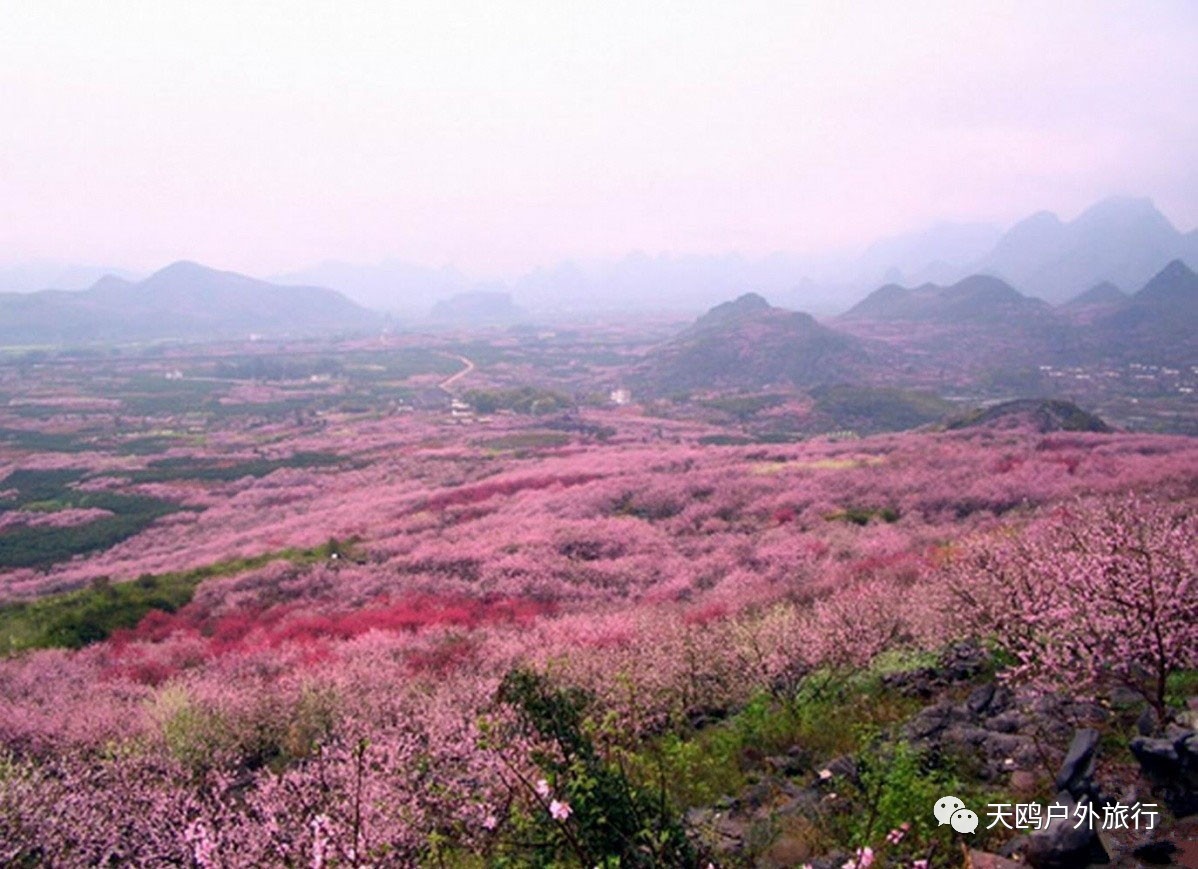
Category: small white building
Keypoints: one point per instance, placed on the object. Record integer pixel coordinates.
(621, 396)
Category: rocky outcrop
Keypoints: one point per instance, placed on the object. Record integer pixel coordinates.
(1171, 764)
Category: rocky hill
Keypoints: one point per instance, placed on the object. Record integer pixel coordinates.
(1035, 414)
(750, 343)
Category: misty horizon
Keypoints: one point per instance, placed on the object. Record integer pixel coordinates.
(497, 141)
(72, 274)
(829, 283)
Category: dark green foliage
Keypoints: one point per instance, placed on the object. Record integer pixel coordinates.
(36, 441)
(613, 821)
(146, 446)
(39, 485)
(531, 440)
(721, 440)
(743, 407)
(187, 468)
(525, 399)
(48, 491)
(863, 515)
(869, 409)
(41, 546)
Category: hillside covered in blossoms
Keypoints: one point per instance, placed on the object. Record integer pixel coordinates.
(448, 602)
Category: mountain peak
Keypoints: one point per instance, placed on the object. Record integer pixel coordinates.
(110, 283)
(1176, 283)
(749, 343)
(1176, 270)
(977, 298)
(742, 307)
(182, 269)
(746, 302)
(1120, 212)
(1122, 239)
(1039, 222)
(982, 287)
(1104, 293)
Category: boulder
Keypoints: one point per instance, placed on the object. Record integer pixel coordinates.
(1158, 853)
(1171, 764)
(1063, 844)
(980, 698)
(1077, 770)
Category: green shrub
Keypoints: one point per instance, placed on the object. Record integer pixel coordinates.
(611, 821)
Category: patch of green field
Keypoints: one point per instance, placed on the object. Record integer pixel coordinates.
(532, 440)
(78, 618)
(186, 468)
(47, 491)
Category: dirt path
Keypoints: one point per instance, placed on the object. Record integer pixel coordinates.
(454, 378)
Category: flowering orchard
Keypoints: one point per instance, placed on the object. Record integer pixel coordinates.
(334, 685)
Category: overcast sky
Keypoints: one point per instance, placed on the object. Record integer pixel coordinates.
(499, 135)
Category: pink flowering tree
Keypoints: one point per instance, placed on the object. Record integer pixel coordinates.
(1096, 595)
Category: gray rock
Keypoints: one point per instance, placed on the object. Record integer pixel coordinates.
(1171, 764)
(1158, 853)
(930, 721)
(1063, 844)
(1155, 755)
(1147, 724)
(980, 698)
(1007, 722)
(1077, 770)
(831, 861)
(1124, 697)
(758, 795)
(843, 767)
(805, 802)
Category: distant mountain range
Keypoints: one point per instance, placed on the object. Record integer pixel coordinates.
(1159, 322)
(1122, 241)
(980, 323)
(183, 300)
(939, 254)
(1119, 240)
(976, 299)
(1104, 293)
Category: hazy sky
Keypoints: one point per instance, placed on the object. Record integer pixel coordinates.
(500, 135)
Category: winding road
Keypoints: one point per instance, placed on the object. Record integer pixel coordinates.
(454, 378)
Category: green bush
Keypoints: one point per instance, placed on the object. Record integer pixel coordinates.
(612, 821)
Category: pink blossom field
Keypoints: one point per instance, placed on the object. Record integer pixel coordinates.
(330, 690)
